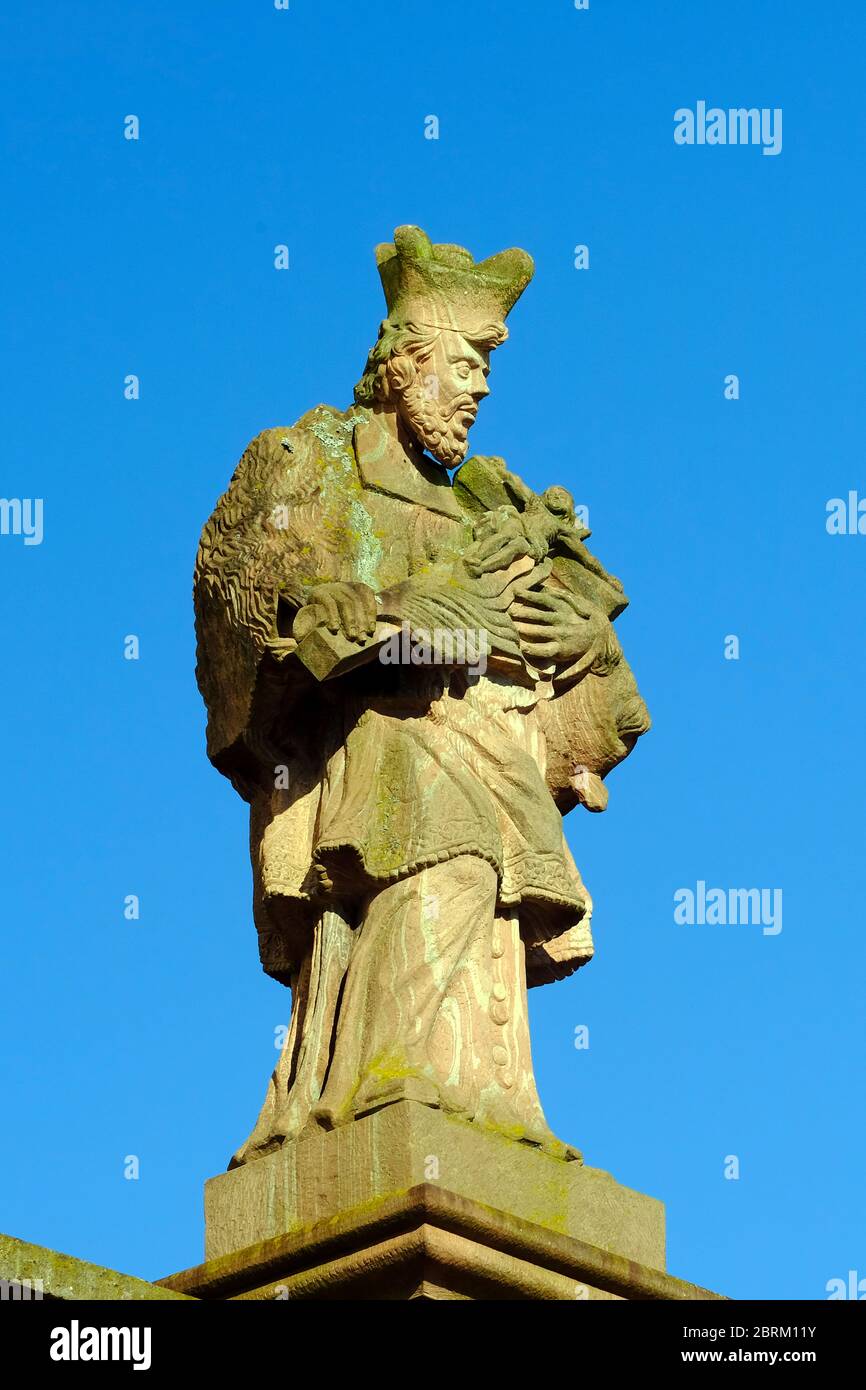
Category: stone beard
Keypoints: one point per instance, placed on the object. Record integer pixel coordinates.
(438, 428)
(411, 875)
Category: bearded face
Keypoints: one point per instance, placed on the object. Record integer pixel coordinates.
(437, 395)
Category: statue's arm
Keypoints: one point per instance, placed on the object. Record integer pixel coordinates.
(265, 551)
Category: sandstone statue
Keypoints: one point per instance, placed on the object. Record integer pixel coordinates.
(411, 676)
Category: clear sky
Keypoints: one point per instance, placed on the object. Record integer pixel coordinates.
(155, 257)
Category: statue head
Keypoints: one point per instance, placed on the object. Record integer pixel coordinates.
(445, 316)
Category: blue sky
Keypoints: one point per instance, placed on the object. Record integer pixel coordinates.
(155, 257)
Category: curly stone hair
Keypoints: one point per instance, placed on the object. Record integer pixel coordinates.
(407, 338)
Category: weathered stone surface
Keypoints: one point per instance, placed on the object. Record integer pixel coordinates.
(33, 1272)
(428, 1243)
(357, 1166)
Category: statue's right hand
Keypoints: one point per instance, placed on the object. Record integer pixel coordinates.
(346, 608)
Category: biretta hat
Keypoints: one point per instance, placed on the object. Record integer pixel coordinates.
(441, 286)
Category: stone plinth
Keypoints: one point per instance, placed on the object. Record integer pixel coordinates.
(411, 1203)
(427, 1244)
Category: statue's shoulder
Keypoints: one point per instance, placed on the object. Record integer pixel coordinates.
(330, 432)
(291, 459)
(480, 484)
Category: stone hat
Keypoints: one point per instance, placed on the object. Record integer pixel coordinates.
(441, 286)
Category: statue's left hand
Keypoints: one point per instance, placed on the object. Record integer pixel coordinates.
(555, 624)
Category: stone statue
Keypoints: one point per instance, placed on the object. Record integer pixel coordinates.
(411, 678)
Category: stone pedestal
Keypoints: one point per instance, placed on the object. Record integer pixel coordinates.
(412, 1203)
